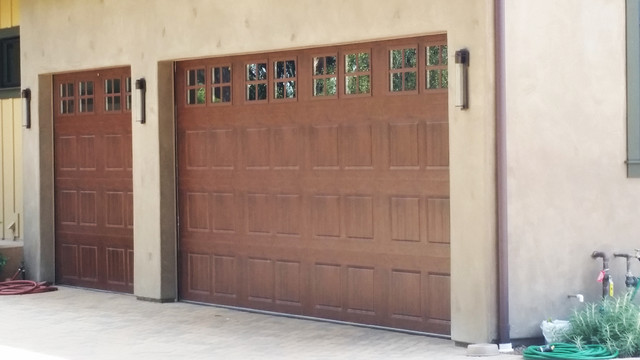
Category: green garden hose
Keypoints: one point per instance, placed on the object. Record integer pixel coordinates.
(568, 351)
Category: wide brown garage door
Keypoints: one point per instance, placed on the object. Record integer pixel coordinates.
(93, 185)
(316, 182)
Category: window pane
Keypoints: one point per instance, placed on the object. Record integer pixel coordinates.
(226, 74)
(216, 75)
(279, 93)
(262, 91)
(116, 103)
(116, 86)
(217, 96)
(445, 78)
(410, 82)
(364, 86)
(350, 84)
(191, 77)
(331, 86)
(396, 82)
(331, 63)
(363, 59)
(201, 96)
(396, 59)
(318, 66)
(410, 58)
(432, 79)
(226, 94)
(291, 89)
(280, 73)
(350, 63)
(191, 96)
(291, 68)
(251, 92)
(318, 87)
(445, 55)
(200, 76)
(433, 53)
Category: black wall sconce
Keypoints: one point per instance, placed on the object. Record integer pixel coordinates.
(141, 92)
(26, 108)
(462, 79)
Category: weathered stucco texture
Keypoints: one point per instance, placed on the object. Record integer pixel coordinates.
(568, 190)
(70, 35)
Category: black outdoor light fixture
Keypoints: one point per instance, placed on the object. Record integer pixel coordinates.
(26, 108)
(141, 90)
(462, 79)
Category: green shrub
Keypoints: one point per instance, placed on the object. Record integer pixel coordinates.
(614, 323)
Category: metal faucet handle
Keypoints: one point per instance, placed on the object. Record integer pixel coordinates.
(626, 256)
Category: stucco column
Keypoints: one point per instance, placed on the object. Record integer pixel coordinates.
(37, 147)
(154, 235)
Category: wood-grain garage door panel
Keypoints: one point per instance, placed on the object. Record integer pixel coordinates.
(93, 184)
(334, 206)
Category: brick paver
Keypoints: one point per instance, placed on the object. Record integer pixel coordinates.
(83, 324)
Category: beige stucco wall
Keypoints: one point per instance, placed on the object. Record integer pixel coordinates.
(68, 35)
(568, 190)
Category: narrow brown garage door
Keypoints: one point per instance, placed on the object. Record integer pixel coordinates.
(316, 182)
(93, 186)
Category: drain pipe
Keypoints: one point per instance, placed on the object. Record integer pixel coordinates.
(504, 337)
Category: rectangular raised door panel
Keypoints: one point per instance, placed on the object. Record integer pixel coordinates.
(316, 182)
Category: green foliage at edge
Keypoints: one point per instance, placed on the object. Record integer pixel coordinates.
(613, 323)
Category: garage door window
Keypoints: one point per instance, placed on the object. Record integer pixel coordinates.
(285, 75)
(358, 73)
(325, 80)
(195, 87)
(66, 98)
(221, 84)
(112, 98)
(437, 75)
(403, 69)
(85, 89)
(257, 81)
(127, 93)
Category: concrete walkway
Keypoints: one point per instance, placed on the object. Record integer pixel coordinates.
(82, 324)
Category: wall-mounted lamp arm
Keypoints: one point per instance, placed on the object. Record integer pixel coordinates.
(26, 108)
(462, 79)
(141, 92)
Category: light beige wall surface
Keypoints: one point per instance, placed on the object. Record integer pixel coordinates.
(11, 222)
(568, 190)
(69, 35)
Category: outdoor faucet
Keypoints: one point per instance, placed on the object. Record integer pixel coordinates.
(629, 279)
(604, 277)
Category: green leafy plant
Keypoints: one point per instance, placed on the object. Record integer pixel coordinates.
(614, 323)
